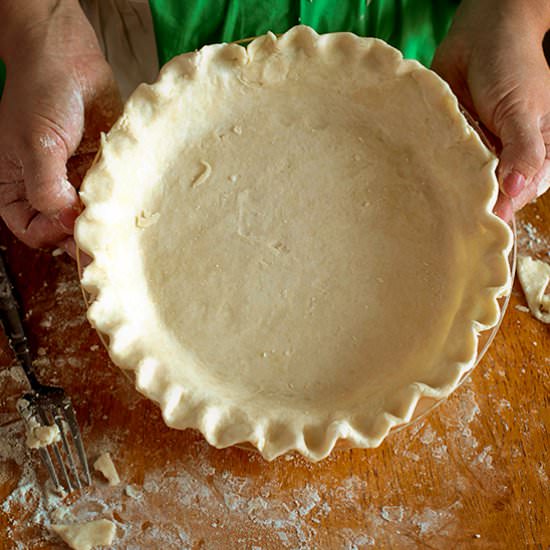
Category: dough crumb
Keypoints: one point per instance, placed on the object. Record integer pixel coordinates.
(85, 536)
(237, 130)
(58, 252)
(523, 309)
(145, 219)
(204, 175)
(105, 465)
(534, 276)
(39, 436)
(280, 247)
(132, 492)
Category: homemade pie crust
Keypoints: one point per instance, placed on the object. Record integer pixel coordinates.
(293, 242)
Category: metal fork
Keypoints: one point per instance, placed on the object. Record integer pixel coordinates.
(46, 405)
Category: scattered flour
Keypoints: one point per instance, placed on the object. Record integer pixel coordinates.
(393, 513)
(173, 502)
(541, 471)
(530, 240)
(245, 502)
(427, 436)
(132, 492)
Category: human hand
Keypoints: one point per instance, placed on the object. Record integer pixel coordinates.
(57, 81)
(493, 60)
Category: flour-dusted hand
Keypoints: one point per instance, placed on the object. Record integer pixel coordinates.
(57, 79)
(494, 61)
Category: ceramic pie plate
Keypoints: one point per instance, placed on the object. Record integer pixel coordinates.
(293, 243)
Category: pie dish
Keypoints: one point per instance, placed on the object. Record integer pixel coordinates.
(293, 242)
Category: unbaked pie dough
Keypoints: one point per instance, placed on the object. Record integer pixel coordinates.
(106, 466)
(293, 242)
(85, 536)
(39, 436)
(534, 276)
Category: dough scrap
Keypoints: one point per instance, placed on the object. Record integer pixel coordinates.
(145, 219)
(204, 174)
(105, 465)
(85, 536)
(132, 492)
(39, 436)
(534, 276)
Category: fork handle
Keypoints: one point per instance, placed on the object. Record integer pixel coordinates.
(13, 325)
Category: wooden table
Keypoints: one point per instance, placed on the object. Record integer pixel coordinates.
(474, 474)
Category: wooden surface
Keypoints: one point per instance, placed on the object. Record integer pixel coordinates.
(474, 474)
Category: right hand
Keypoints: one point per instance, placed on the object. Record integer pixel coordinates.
(57, 82)
(494, 61)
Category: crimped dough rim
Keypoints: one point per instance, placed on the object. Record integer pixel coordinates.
(223, 423)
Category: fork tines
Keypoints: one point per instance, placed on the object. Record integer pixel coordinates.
(55, 409)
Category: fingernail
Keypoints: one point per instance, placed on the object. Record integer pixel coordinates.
(69, 247)
(505, 211)
(67, 217)
(543, 186)
(513, 184)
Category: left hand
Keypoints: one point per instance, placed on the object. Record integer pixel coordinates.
(59, 90)
(493, 60)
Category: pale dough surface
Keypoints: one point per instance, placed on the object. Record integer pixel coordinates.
(293, 243)
(85, 536)
(104, 464)
(534, 276)
(41, 436)
(38, 435)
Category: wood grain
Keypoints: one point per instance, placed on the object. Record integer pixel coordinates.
(473, 474)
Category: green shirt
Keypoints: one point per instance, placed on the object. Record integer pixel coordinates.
(414, 26)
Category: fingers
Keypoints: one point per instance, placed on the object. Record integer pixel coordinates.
(523, 151)
(68, 245)
(37, 201)
(535, 188)
(44, 158)
(500, 74)
(542, 181)
(58, 81)
(24, 221)
(504, 208)
(27, 223)
(506, 205)
(39, 128)
(30, 226)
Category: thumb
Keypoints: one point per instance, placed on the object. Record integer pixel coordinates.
(523, 151)
(44, 156)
